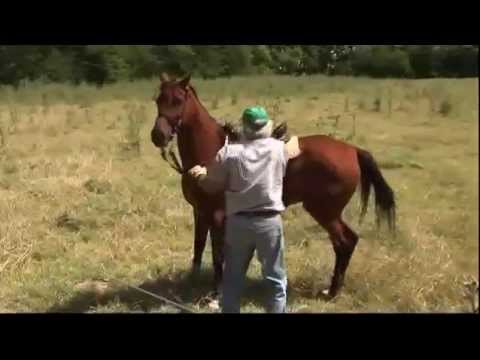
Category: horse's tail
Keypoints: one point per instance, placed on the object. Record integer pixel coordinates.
(385, 206)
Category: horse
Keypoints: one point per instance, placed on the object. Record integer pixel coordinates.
(324, 178)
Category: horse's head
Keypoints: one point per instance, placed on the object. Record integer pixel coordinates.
(171, 106)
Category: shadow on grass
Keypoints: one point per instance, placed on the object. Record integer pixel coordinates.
(179, 287)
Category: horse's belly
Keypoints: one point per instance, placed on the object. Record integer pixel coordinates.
(320, 177)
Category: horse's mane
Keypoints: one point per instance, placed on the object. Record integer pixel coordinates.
(194, 91)
(222, 127)
(233, 133)
(279, 133)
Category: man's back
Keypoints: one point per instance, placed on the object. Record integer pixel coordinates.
(255, 172)
(251, 174)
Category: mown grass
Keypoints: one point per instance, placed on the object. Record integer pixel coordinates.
(85, 197)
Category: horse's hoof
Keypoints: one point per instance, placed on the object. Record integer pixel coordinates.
(214, 305)
(211, 301)
(326, 295)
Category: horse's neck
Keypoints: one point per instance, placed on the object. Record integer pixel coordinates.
(200, 139)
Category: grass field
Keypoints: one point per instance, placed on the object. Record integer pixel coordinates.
(85, 197)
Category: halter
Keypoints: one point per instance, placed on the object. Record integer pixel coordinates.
(177, 120)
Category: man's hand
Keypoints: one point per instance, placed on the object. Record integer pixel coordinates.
(198, 172)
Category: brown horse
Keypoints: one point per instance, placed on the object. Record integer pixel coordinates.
(324, 177)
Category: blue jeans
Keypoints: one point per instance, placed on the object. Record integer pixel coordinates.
(244, 235)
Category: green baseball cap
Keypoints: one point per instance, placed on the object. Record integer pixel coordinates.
(255, 117)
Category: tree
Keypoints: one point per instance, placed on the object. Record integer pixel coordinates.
(110, 63)
(175, 59)
(261, 58)
(58, 66)
(381, 61)
(106, 63)
(421, 59)
(21, 62)
(209, 61)
(316, 58)
(287, 59)
(237, 59)
(456, 61)
(141, 61)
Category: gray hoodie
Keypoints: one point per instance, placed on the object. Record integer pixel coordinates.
(251, 173)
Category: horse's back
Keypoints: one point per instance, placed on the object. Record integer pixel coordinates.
(326, 146)
(325, 167)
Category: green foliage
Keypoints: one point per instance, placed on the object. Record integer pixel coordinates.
(316, 58)
(287, 59)
(103, 64)
(456, 61)
(175, 59)
(238, 59)
(261, 58)
(421, 60)
(209, 61)
(58, 67)
(381, 61)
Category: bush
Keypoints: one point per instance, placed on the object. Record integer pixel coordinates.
(97, 187)
(421, 60)
(10, 168)
(100, 64)
(377, 104)
(456, 61)
(445, 107)
(381, 61)
(234, 99)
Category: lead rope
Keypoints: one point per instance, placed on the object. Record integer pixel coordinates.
(158, 297)
(171, 159)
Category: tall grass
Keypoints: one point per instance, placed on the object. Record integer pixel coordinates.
(74, 212)
(46, 95)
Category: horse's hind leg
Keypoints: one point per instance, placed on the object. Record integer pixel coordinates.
(344, 241)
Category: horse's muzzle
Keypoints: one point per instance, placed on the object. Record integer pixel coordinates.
(161, 133)
(156, 139)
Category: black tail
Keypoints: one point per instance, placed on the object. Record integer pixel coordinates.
(385, 207)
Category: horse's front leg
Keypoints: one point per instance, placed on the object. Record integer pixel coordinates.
(217, 234)
(201, 231)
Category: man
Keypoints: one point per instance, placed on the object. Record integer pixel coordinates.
(251, 173)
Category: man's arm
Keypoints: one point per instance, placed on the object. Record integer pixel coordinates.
(214, 178)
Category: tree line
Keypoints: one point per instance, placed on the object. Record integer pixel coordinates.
(101, 64)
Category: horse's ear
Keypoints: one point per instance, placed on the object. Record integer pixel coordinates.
(186, 81)
(164, 77)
